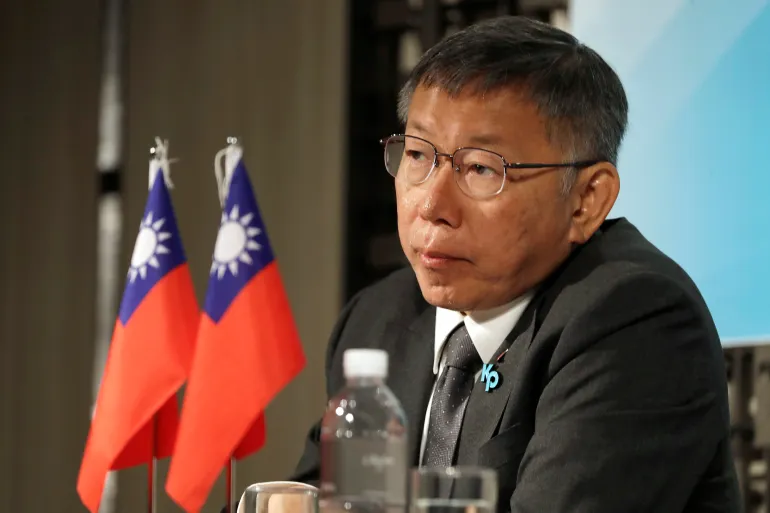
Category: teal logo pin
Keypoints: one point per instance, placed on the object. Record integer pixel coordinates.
(489, 376)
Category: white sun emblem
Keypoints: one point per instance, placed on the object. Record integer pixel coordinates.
(147, 248)
(234, 241)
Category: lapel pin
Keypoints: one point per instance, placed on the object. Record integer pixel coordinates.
(489, 376)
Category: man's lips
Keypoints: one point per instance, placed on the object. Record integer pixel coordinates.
(436, 259)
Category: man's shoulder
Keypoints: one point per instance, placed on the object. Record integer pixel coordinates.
(396, 297)
(619, 259)
(400, 282)
(374, 314)
(620, 252)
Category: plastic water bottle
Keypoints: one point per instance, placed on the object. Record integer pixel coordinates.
(364, 441)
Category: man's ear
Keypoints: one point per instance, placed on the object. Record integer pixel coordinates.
(591, 198)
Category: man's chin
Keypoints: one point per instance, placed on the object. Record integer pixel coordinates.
(443, 293)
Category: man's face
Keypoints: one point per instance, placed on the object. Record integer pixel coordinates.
(473, 254)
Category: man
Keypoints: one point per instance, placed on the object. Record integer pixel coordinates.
(612, 396)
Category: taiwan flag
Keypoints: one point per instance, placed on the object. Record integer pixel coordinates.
(136, 414)
(247, 350)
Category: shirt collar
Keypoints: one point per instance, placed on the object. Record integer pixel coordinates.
(487, 328)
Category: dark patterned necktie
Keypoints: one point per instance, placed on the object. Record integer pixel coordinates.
(450, 397)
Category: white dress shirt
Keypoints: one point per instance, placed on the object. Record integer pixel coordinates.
(487, 330)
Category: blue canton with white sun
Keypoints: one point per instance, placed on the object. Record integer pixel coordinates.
(242, 248)
(157, 250)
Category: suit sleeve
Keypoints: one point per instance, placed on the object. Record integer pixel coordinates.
(632, 409)
(308, 468)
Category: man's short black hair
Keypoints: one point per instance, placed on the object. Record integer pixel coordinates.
(574, 89)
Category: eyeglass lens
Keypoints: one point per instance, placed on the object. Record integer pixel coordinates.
(478, 172)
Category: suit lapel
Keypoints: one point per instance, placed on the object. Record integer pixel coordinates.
(484, 410)
(411, 370)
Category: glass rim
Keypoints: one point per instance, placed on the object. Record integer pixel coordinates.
(282, 488)
(457, 472)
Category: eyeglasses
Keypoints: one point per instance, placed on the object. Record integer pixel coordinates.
(479, 173)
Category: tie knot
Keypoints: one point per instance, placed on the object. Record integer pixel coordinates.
(460, 351)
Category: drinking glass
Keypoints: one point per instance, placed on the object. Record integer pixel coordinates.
(279, 497)
(453, 490)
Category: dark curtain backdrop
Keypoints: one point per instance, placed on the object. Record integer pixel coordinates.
(49, 83)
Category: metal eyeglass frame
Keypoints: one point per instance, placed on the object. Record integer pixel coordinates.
(506, 165)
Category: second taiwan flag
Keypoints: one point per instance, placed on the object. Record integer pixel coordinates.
(247, 350)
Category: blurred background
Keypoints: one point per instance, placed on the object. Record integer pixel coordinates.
(309, 87)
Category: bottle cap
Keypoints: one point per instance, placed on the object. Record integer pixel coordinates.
(365, 363)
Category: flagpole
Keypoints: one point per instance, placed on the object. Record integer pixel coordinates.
(157, 153)
(152, 472)
(152, 503)
(230, 484)
(223, 186)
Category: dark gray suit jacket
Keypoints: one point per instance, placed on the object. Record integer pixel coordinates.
(613, 397)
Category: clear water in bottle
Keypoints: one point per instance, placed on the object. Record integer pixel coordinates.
(364, 441)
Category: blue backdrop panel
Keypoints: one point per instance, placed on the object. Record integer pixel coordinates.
(695, 167)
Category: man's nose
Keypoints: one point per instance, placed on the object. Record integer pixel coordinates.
(439, 203)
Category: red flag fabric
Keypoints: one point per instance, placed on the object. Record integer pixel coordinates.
(247, 349)
(136, 414)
